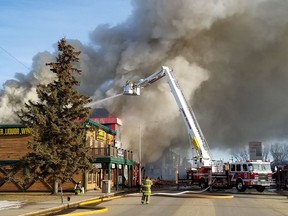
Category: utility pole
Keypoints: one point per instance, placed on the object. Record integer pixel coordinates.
(140, 146)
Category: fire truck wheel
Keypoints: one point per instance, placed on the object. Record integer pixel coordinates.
(203, 184)
(240, 186)
(260, 188)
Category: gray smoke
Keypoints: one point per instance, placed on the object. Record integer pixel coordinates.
(229, 58)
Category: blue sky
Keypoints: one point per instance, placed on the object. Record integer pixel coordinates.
(31, 26)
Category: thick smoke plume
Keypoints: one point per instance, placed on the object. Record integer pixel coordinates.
(229, 57)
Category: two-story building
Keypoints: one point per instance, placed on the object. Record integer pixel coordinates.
(112, 166)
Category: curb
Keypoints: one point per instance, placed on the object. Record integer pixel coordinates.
(93, 210)
(62, 207)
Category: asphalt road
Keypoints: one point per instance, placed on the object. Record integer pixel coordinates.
(190, 204)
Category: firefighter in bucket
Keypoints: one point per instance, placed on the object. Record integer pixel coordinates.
(146, 190)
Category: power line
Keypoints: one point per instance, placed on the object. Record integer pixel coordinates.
(8, 53)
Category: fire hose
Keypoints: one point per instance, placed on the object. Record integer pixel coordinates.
(184, 194)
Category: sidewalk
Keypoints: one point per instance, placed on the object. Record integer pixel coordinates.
(55, 205)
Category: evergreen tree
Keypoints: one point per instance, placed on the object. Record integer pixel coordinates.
(58, 148)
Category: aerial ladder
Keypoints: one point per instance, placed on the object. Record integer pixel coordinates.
(196, 137)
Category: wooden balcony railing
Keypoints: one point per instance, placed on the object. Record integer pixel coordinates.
(112, 151)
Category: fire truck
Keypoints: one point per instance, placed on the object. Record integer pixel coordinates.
(241, 174)
(205, 171)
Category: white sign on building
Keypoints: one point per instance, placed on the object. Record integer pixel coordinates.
(255, 150)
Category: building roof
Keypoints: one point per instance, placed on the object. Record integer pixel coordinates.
(11, 125)
(96, 124)
(108, 120)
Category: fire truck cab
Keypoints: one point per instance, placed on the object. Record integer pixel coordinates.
(256, 174)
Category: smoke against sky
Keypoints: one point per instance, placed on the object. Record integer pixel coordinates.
(229, 58)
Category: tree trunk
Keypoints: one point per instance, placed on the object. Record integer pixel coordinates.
(55, 187)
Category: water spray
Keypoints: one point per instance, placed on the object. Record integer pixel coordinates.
(93, 103)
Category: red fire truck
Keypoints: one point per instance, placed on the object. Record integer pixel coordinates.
(207, 172)
(242, 175)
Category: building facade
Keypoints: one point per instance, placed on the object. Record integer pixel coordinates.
(166, 167)
(111, 166)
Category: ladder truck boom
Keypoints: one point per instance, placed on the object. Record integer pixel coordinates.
(195, 134)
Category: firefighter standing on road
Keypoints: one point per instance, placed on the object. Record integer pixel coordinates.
(77, 188)
(146, 190)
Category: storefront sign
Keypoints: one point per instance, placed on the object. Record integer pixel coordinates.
(120, 153)
(101, 135)
(97, 165)
(14, 131)
(110, 139)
